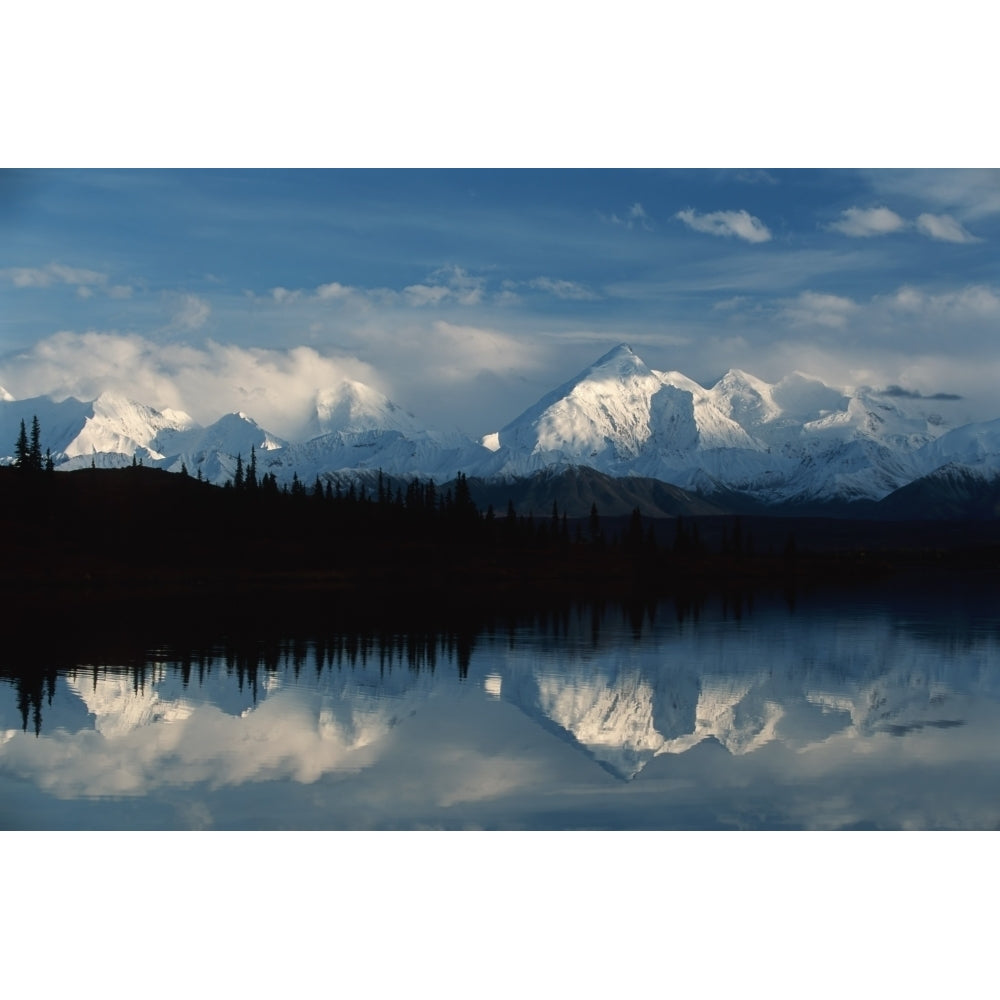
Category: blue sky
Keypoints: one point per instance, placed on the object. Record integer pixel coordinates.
(465, 294)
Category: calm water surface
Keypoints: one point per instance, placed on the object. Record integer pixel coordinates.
(877, 711)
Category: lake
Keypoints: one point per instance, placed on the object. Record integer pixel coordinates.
(873, 709)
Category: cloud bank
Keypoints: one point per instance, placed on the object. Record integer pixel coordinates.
(276, 387)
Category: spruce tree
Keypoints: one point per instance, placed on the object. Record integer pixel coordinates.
(251, 481)
(238, 480)
(35, 448)
(21, 449)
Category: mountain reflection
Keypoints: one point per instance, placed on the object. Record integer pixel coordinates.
(621, 688)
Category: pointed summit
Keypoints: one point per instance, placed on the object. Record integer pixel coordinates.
(620, 361)
(603, 411)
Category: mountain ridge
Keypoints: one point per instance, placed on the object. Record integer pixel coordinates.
(794, 442)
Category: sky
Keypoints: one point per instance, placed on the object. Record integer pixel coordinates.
(466, 294)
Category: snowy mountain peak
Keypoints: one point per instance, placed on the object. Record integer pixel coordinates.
(620, 417)
(5, 396)
(745, 398)
(619, 361)
(353, 407)
(112, 405)
(119, 425)
(603, 411)
(234, 434)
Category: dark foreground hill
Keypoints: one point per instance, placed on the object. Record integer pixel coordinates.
(117, 543)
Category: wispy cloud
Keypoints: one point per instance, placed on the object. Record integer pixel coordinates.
(447, 283)
(973, 302)
(426, 295)
(864, 222)
(86, 280)
(819, 309)
(756, 177)
(635, 216)
(43, 277)
(738, 223)
(944, 227)
(562, 289)
(966, 194)
(188, 312)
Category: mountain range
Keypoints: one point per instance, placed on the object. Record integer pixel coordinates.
(618, 429)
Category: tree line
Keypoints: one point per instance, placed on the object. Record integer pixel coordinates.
(335, 523)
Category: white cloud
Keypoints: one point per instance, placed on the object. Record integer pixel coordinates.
(819, 309)
(281, 295)
(739, 223)
(868, 222)
(334, 290)
(562, 289)
(944, 227)
(881, 221)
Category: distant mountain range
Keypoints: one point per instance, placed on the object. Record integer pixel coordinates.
(619, 434)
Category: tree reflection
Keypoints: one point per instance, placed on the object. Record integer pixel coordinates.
(252, 652)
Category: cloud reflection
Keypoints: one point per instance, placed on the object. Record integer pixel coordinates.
(773, 721)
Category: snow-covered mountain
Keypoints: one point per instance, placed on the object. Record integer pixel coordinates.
(796, 441)
(352, 428)
(356, 428)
